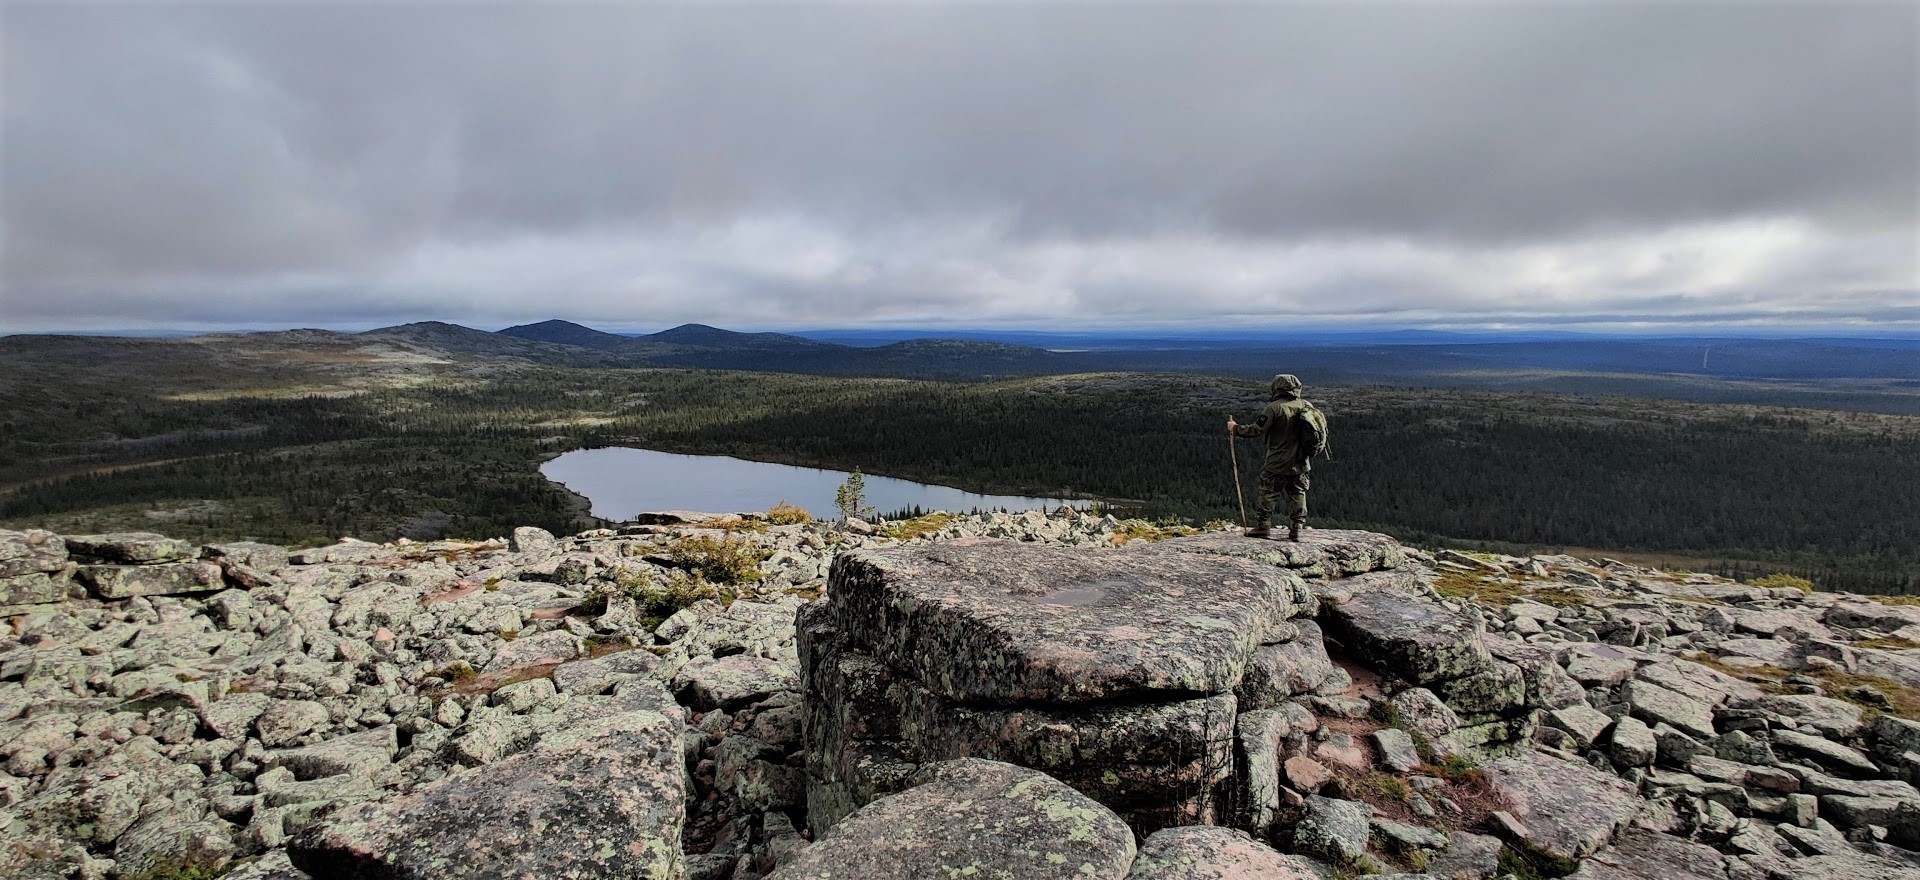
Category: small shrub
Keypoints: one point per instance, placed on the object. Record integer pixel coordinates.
(851, 497)
(594, 605)
(729, 560)
(659, 601)
(784, 514)
(599, 644)
(731, 524)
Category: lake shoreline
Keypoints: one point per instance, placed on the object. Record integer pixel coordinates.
(620, 481)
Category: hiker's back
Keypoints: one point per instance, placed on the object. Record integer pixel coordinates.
(1289, 444)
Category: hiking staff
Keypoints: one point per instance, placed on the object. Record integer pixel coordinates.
(1233, 453)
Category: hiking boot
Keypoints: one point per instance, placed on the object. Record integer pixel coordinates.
(1259, 532)
(1293, 532)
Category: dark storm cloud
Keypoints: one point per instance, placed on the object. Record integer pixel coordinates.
(795, 164)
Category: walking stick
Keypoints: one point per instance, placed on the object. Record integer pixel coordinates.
(1233, 452)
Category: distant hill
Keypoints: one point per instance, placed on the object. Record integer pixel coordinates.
(567, 333)
(454, 339)
(704, 336)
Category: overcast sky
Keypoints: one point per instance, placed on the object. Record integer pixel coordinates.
(1612, 165)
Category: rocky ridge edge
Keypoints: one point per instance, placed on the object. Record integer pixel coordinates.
(178, 706)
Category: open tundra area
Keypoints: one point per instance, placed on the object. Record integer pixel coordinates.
(1018, 696)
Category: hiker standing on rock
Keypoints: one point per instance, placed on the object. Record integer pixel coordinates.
(1296, 431)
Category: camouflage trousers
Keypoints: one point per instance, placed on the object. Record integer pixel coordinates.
(1274, 487)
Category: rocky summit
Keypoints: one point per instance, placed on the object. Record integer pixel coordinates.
(1009, 696)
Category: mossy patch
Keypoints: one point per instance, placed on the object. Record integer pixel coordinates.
(1781, 579)
(1506, 591)
(1534, 865)
(918, 527)
(1159, 530)
(1888, 643)
(1873, 694)
(182, 869)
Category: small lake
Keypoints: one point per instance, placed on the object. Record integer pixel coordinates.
(622, 481)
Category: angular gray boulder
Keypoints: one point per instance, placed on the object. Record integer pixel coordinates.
(169, 579)
(1410, 635)
(973, 818)
(1563, 809)
(1209, 852)
(130, 548)
(1006, 622)
(599, 799)
(1114, 671)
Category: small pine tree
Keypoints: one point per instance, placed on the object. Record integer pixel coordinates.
(851, 497)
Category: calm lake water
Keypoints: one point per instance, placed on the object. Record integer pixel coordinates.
(622, 481)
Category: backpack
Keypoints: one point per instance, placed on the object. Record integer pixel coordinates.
(1315, 441)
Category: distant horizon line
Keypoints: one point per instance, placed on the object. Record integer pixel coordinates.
(1190, 332)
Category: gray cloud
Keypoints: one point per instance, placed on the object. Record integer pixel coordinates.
(798, 164)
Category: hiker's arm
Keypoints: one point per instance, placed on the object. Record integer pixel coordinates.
(1257, 429)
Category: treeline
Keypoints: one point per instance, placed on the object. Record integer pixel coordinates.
(1774, 488)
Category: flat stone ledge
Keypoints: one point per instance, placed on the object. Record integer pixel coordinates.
(973, 818)
(988, 621)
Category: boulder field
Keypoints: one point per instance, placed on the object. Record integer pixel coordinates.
(997, 696)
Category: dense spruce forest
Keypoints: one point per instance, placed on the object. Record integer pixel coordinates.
(1823, 494)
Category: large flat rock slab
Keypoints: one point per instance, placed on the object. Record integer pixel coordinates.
(1320, 553)
(973, 818)
(1208, 852)
(600, 799)
(1410, 635)
(985, 621)
(31, 552)
(1157, 764)
(166, 579)
(1641, 855)
(1568, 808)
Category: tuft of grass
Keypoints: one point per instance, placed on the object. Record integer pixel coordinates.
(918, 527)
(729, 560)
(784, 514)
(1379, 786)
